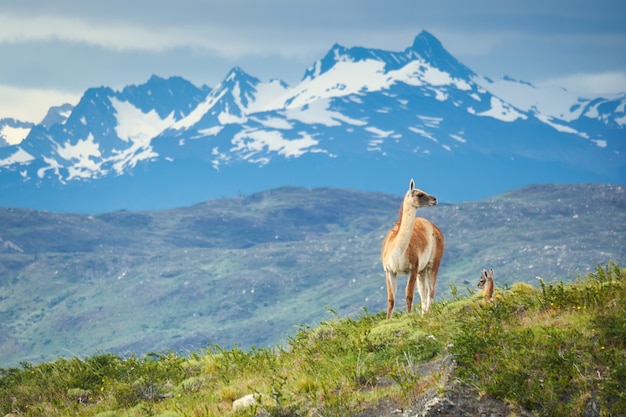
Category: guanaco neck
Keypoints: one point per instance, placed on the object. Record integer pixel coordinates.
(405, 226)
(489, 288)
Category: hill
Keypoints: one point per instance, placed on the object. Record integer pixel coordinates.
(248, 270)
(556, 350)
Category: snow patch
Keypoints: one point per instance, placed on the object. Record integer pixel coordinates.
(237, 96)
(265, 98)
(14, 135)
(379, 132)
(251, 142)
(501, 111)
(440, 95)
(201, 109)
(552, 101)
(81, 152)
(348, 78)
(561, 128)
(53, 165)
(423, 133)
(419, 72)
(273, 123)
(138, 128)
(592, 111)
(133, 125)
(343, 79)
(19, 157)
(211, 131)
(458, 138)
(226, 118)
(374, 145)
(430, 121)
(318, 113)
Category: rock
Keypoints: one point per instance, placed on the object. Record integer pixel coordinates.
(449, 399)
(245, 402)
(463, 401)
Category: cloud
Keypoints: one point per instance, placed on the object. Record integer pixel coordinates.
(118, 36)
(609, 82)
(230, 38)
(52, 48)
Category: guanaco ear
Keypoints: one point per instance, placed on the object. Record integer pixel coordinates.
(491, 273)
(484, 273)
(411, 185)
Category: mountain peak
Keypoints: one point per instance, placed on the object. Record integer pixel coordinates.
(238, 74)
(155, 79)
(235, 94)
(324, 64)
(164, 95)
(428, 47)
(57, 115)
(426, 38)
(425, 46)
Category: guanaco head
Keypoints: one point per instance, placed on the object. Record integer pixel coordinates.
(484, 278)
(418, 197)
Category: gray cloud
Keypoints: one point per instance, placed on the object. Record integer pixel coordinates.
(70, 45)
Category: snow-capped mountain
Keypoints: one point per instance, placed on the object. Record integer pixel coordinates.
(360, 118)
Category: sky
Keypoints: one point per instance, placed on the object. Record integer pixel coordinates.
(52, 51)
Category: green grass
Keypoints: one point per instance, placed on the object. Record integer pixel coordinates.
(552, 350)
(181, 279)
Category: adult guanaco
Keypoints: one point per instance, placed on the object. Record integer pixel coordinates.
(413, 246)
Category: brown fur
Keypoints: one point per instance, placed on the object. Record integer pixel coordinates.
(487, 284)
(413, 246)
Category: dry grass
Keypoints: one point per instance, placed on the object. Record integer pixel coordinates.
(552, 350)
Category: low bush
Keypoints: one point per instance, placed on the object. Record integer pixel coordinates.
(554, 350)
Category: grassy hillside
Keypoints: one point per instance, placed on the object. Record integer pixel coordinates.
(559, 349)
(249, 270)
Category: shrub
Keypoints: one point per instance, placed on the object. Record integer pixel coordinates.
(548, 356)
(559, 349)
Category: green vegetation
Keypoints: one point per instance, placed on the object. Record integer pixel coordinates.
(248, 270)
(554, 350)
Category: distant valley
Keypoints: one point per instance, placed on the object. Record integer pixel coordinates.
(248, 270)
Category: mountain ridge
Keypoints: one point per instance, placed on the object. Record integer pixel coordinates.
(358, 113)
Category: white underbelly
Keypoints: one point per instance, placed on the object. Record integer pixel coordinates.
(398, 263)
